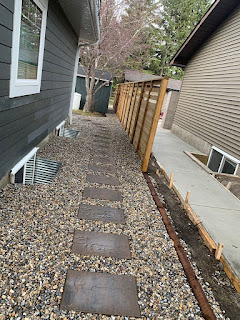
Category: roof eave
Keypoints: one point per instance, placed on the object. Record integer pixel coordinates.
(83, 15)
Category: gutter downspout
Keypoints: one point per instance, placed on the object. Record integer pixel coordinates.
(74, 83)
(97, 34)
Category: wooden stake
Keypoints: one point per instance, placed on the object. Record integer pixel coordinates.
(186, 200)
(229, 185)
(171, 181)
(218, 251)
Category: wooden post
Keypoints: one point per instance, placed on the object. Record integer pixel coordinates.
(116, 96)
(218, 251)
(132, 109)
(186, 200)
(138, 109)
(144, 115)
(119, 109)
(161, 95)
(131, 91)
(171, 181)
(229, 185)
(125, 90)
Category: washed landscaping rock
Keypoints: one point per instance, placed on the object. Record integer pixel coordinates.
(38, 222)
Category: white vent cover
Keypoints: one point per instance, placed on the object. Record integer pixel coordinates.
(68, 133)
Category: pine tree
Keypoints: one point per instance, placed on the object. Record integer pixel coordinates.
(176, 20)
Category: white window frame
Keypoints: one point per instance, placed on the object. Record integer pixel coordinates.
(23, 87)
(224, 157)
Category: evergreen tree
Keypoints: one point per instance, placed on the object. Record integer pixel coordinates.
(176, 20)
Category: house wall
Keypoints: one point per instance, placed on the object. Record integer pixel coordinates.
(208, 111)
(26, 121)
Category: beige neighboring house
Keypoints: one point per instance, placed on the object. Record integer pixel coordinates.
(208, 110)
(170, 99)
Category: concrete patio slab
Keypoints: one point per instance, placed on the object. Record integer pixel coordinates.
(217, 208)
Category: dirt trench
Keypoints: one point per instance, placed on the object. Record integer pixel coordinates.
(211, 270)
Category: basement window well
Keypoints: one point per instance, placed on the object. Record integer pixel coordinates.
(221, 162)
(33, 170)
(66, 132)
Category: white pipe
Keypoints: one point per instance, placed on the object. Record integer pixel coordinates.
(22, 162)
(74, 84)
(60, 125)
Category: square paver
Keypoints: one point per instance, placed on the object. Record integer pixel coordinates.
(104, 169)
(102, 194)
(102, 149)
(102, 137)
(112, 181)
(101, 293)
(101, 213)
(101, 244)
(102, 153)
(98, 144)
(103, 160)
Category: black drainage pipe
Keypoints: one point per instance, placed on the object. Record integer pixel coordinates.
(204, 305)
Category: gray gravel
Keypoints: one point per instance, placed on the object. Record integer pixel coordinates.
(37, 225)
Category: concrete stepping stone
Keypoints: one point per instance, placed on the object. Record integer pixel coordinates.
(101, 293)
(102, 194)
(102, 153)
(101, 213)
(101, 244)
(112, 181)
(101, 144)
(102, 136)
(103, 160)
(102, 149)
(103, 169)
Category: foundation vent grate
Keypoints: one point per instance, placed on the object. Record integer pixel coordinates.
(45, 170)
(68, 133)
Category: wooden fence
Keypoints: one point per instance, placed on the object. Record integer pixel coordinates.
(138, 106)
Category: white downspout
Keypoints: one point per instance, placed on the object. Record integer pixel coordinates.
(74, 84)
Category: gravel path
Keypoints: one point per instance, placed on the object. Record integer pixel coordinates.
(37, 225)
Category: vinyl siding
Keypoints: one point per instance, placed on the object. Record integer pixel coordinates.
(26, 121)
(209, 103)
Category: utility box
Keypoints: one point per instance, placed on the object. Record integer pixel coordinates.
(76, 101)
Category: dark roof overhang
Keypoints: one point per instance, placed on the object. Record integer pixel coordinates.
(214, 17)
(84, 18)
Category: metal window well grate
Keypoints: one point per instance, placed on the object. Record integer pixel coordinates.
(68, 133)
(45, 170)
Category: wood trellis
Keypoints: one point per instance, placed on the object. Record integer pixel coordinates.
(138, 106)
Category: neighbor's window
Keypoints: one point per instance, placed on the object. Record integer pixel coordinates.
(28, 46)
(220, 161)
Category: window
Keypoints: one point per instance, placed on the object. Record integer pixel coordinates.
(29, 30)
(220, 161)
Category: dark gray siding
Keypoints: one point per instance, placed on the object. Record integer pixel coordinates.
(26, 121)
